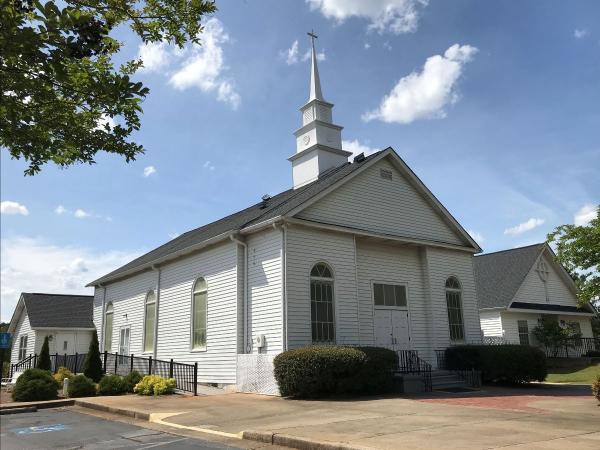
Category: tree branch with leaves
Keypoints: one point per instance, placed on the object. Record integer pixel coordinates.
(61, 88)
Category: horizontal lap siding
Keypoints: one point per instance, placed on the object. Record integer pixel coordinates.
(393, 265)
(443, 264)
(265, 289)
(532, 290)
(511, 329)
(491, 323)
(306, 247)
(97, 312)
(372, 203)
(23, 328)
(217, 265)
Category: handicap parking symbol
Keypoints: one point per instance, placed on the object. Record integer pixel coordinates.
(41, 429)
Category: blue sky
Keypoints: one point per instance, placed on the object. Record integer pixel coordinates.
(494, 106)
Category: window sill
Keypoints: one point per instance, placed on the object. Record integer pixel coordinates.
(199, 350)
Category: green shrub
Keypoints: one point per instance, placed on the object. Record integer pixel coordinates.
(112, 385)
(81, 386)
(596, 388)
(593, 354)
(92, 367)
(155, 385)
(316, 371)
(43, 361)
(132, 378)
(61, 374)
(511, 364)
(35, 385)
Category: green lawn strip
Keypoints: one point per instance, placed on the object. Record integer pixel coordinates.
(573, 375)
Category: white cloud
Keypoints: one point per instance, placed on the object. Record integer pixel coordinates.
(35, 265)
(81, 214)
(320, 56)
(208, 165)
(203, 66)
(523, 227)
(387, 46)
(291, 54)
(477, 236)
(174, 235)
(356, 148)
(424, 95)
(367, 46)
(395, 16)
(580, 33)
(154, 55)
(149, 171)
(60, 210)
(105, 120)
(13, 208)
(586, 214)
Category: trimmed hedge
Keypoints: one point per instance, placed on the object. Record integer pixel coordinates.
(596, 388)
(81, 386)
(511, 364)
(61, 374)
(35, 385)
(155, 385)
(316, 371)
(113, 385)
(132, 378)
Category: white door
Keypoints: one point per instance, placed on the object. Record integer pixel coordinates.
(124, 341)
(400, 330)
(383, 328)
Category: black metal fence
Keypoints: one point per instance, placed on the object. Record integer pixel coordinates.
(410, 362)
(186, 375)
(573, 348)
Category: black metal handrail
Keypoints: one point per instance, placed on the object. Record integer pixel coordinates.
(409, 362)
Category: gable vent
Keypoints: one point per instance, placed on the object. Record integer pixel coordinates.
(385, 174)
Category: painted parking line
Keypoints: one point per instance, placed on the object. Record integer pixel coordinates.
(41, 429)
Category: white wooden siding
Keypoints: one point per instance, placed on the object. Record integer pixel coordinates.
(443, 264)
(509, 321)
(265, 289)
(78, 341)
(491, 322)
(23, 328)
(217, 265)
(369, 202)
(392, 264)
(306, 247)
(532, 290)
(97, 314)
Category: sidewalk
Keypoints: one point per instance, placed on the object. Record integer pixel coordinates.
(540, 417)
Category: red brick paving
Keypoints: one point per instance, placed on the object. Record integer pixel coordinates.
(514, 402)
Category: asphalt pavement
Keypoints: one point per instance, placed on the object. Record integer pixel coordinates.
(63, 429)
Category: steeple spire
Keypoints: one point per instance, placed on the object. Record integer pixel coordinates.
(315, 82)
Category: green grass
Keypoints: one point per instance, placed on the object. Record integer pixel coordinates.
(573, 375)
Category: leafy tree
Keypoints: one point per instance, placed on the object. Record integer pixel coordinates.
(551, 335)
(578, 250)
(59, 83)
(44, 358)
(92, 367)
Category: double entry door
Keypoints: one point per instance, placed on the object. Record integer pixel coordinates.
(392, 328)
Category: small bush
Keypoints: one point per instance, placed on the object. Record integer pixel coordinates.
(112, 385)
(132, 379)
(61, 374)
(596, 388)
(92, 366)
(511, 364)
(155, 385)
(35, 385)
(43, 361)
(593, 354)
(316, 371)
(81, 386)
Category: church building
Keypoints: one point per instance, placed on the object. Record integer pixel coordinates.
(356, 252)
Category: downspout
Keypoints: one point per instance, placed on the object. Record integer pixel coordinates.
(103, 316)
(156, 307)
(284, 303)
(245, 306)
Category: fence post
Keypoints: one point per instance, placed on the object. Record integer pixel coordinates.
(116, 361)
(34, 361)
(75, 367)
(171, 368)
(65, 362)
(131, 364)
(149, 365)
(195, 378)
(104, 362)
(56, 360)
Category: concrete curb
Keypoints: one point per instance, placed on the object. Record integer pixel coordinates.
(18, 410)
(110, 409)
(300, 443)
(37, 405)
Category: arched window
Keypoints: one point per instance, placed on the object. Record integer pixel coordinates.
(149, 320)
(199, 309)
(108, 327)
(454, 304)
(321, 304)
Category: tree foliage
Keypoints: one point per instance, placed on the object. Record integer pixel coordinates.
(92, 367)
(578, 250)
(61, 88)
(44, 358)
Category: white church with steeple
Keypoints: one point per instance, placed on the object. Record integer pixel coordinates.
(356, 252)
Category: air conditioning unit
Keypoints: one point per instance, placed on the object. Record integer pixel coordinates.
(259, 340)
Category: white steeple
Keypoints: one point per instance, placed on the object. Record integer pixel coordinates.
(318, 141)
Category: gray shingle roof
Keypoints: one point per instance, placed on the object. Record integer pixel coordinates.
(277, 205)
(59, 311)
(498, 275)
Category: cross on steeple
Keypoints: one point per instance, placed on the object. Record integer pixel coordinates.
(313, 36)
